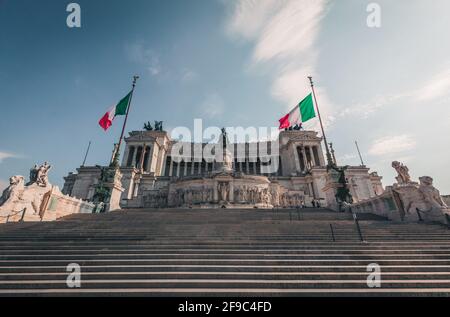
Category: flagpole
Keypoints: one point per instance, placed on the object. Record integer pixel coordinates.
(87, 152)
(329, 159)
(115, 162)
(359, 153)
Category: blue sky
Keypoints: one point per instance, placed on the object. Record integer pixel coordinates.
(231, 63)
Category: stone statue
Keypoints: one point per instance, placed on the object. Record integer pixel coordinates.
(42, 175)
(244, 194)
(430, 194)
(223, 190)
(14, 190)
(148, 126)
(33, 174)
(158, 126)
(102, 193)
(227, 160)
(403, 173)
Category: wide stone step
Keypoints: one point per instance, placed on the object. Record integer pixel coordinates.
(232, 292)
(210, 268)
(218, 257)
(222, 275)
(225, 283)
(221, 252)
(236, 262)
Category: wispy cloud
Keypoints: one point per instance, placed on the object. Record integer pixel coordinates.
(395, 144)
(213, 105)
(365, 110)
(346, 158)
(139, 53)
(436, 87)
(188, 75)
(7, 155)
(284, 33)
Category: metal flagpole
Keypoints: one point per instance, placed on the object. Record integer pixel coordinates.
(329, 159)
(117, 153)
(359, 153)
(85, 156)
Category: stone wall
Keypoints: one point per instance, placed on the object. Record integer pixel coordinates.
(403, 202)
(57, 205)
(42, 204)
(384, 205)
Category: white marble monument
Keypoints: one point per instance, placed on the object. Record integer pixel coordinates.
(153, 178)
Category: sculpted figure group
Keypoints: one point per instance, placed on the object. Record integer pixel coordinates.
(431, 195)
(190, 196)
(244, 194)
(155, 200)
(38, 175)
(403, 173)
(14, 190)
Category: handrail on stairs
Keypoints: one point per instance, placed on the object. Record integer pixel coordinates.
(332, 232)
(358, 228)
(15, 213)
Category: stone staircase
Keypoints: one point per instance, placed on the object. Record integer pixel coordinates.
(223, 253)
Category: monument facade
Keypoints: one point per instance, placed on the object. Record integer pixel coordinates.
(153, 177)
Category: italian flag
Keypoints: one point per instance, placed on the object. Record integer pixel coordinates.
(119, 109)
(301, 113)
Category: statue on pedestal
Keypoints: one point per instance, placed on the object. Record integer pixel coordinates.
(224, 159)
(431, 194)
(13, 191)
(223, 189)
(403, 173)
(42, 175)
(33, 174)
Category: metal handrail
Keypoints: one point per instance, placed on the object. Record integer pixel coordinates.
(15, 213)
(355, 218)
(332, 233)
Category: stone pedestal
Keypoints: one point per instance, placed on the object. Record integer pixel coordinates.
(331, 188)
(421, 202)
(114, 185)
(408, 194)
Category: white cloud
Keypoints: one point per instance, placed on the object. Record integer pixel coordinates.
(292, 30)
(392, 145)
(138, 53)
(213, 105)
(188, 75)
(436, 87)
(6, 155)
(365, 110)
(346, 158)
(249, 16)
(284, 32)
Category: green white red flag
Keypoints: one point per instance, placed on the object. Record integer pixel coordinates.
(302, 112)
(119, 109)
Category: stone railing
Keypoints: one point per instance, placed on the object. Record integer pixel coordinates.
(403, 203)
(42, 204)
(56, 205)
(384, 205)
